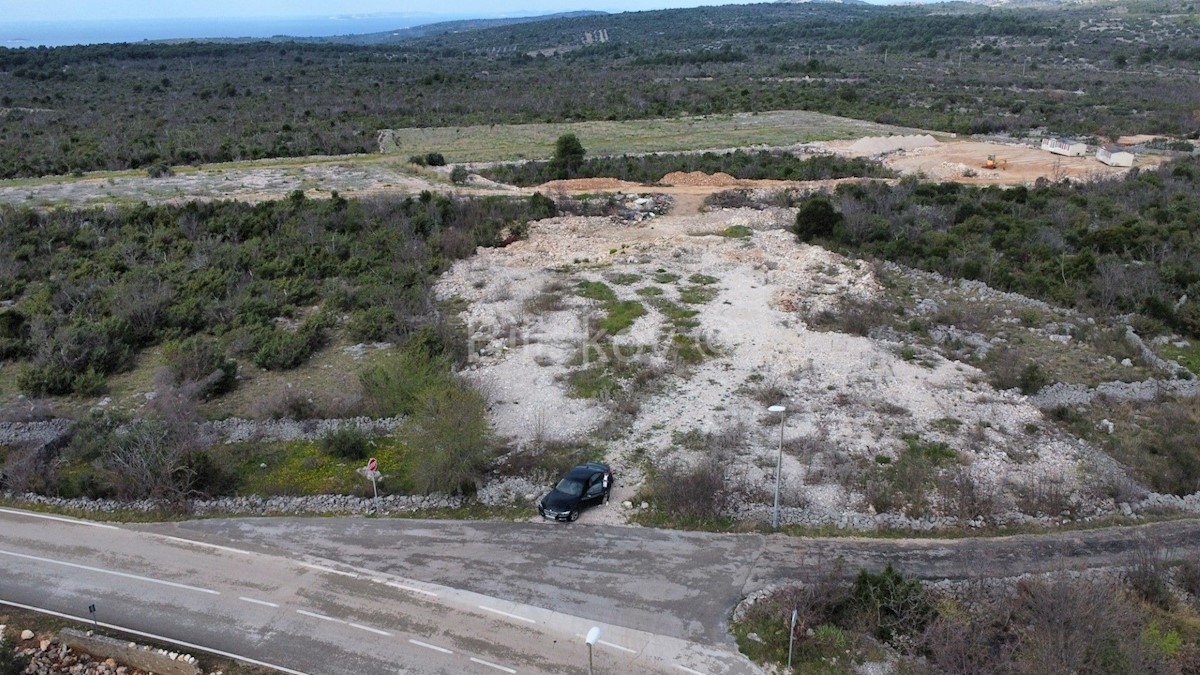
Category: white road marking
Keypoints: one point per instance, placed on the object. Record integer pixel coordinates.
(257, 602)
(607, 644)
(207, 545)
(435, 648)
(410, 588)
(72, 521)
(330, 570)
(511, 616)
(115, 574)
(688, 670)
(614, 646)
(319, 616)
(158, 638)
(369, 629)
(491, 665)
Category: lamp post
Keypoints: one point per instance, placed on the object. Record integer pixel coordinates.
(592, 638)
(778, 464)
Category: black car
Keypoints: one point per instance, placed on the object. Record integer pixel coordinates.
(585, 485)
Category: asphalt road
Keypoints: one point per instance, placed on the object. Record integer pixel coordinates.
(304, 615)
(363, 595)
(680, 584)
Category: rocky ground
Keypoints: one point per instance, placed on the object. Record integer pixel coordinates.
(48, 656)
(854, 403)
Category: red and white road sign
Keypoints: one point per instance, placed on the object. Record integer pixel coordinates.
(372, 465)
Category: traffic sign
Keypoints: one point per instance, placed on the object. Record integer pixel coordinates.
(372, 465)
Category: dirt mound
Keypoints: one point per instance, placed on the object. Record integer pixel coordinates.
(874, 145)
(699, 178)
(582, 184)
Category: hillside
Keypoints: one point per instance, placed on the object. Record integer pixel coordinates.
(1090, 71)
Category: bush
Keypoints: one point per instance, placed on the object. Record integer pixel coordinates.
(890, 606)
(816, 219)
(159, 170)
(396, 384)
(374, 324)
(452, 439)
(435, 159)
(346, 441)
(697, 492)
(201, 361)
(459, 175)
(45, 380)
(280, 349)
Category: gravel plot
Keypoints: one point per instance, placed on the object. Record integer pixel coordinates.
(857, 396)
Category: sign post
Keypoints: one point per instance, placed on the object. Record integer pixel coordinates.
(373, 473)
(92, 611)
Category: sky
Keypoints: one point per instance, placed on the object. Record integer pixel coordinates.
(84, 10)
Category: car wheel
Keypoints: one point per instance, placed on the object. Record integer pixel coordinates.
(573, 515)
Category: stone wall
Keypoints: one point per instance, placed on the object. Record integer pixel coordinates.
(131, 654)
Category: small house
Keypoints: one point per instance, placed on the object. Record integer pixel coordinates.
(1115, 156)
(1066, 148)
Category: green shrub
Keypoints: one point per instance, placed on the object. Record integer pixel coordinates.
(374, 324)
(621, 315)
(435, 159)
(45, 380)
(450, 429)
(201, 360)
(596, 290)
(159, 170)
(817, 218)
(459, 175)
(890, 606)
(281, 349)
(346, 441)
(395, 384)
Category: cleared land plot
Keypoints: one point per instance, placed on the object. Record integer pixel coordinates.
(486, 143)
(962, 162)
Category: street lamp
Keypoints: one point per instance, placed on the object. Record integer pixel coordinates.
(592, 638)
(778, 464)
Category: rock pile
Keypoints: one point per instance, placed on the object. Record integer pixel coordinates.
(50, 657)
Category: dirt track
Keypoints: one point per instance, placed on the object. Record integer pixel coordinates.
(785, 559)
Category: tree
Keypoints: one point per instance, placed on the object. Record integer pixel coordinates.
(816, 218)
(568, 156)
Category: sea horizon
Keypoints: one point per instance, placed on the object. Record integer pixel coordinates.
(16, 34)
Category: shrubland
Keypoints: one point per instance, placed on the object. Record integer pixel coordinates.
(961, 68)
(1141, 621)
(265, 283)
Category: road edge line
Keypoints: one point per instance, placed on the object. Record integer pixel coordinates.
(160, 638)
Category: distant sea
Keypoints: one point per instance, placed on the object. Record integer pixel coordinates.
(58, 33)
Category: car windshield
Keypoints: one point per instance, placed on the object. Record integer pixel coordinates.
(570, 486)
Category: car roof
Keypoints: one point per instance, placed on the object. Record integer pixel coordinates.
(584, 471)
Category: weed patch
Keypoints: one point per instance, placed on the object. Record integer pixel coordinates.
(697, 295)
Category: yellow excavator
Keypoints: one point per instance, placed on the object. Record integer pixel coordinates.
(993, 163)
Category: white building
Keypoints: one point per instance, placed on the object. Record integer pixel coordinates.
(1061, 147)
(1115, 156)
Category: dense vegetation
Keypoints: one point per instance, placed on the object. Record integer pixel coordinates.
(651, 168)
(1140, 622)
(264, 282)
(1086, 70)
(1125, 245)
